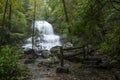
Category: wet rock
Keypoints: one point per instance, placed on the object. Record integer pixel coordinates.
(54, 60)
(45, 54)
(30, 54)
(105, 65)
(28, 61)
(115, 64)
(55, 50)
(29, 51)
(68, 45)
(22, 56)
(62, 70)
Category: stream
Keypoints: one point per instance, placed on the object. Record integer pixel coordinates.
(45, 68)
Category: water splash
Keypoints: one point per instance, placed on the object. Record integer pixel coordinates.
(47, 38)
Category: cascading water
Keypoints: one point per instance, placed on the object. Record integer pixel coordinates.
(45, 39)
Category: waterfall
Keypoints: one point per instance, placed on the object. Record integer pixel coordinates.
(45, 38)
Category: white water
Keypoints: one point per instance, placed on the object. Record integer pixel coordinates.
(47, 40)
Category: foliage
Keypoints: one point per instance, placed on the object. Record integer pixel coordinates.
(9, 69)
(14, 23)
(95, 22)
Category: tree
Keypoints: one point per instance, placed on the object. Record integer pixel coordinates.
(6, 4)
(9, 23)
(33, 34)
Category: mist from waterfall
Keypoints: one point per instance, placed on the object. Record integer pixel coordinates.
(45, 38)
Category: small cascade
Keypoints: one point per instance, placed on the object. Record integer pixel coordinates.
(45, 38)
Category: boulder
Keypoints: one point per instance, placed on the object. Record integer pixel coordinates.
(29, 61)
(62, 70)
(55, 50)
(115, 64)
(68, 45)
(45, 53)
(31, 53)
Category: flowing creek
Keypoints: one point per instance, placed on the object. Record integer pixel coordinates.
(45, 68)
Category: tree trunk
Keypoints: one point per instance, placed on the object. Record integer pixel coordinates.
(62, 60)
(9, 26)
(2, 40)
(4, 14)
(33, 34)
(10, 15)
(65, 11)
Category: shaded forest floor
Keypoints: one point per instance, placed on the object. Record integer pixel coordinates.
(45, 69)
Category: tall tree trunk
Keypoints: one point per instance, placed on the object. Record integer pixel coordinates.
(10, 15)
(66, 16)
(65, 11)
(3, 20)
(3, 37)
(9, 26)
(33, 31)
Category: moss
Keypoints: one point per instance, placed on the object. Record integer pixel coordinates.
(62, 70)
(80, 65)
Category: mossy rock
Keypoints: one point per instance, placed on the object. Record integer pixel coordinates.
(29, 61)
(62, 70)
(55, 50)
(80, 65)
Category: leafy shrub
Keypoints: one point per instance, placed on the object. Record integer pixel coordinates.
(9, 69)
